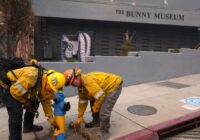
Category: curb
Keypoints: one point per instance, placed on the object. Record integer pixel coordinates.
(165, 129)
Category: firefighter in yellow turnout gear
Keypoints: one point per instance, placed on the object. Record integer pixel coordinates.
(28, 123)
(102, 90)
(26, 86)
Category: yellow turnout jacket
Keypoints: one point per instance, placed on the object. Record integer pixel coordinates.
(95, 86)
(22, 88)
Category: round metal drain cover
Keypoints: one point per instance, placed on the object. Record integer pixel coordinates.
(142, 110)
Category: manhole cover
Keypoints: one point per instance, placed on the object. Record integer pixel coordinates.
(142, 110)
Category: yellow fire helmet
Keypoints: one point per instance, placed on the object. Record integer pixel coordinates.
(33, 61)
(70, 74)
(56, 80)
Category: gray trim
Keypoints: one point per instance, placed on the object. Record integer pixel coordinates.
(120, 13)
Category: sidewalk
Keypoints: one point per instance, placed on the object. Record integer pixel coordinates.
(164, 96)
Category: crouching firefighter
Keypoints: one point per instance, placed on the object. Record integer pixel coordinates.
(21, 86)
(102, 90)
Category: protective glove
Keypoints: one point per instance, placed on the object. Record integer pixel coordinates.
(79, 121)
(53, 123)
(67, 106)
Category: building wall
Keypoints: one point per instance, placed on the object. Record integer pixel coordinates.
(108, 37)
(170, 4)
(147, 67)
(150, 12)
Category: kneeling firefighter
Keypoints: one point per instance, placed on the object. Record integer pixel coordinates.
(102, 90)
(21, 86)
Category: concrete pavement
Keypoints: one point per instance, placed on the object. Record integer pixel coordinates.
(176, 100)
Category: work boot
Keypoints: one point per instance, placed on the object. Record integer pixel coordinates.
(35, 128)
(95, 122)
